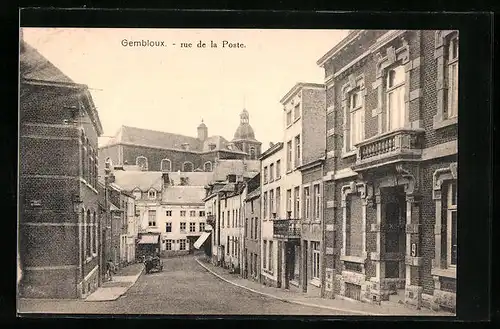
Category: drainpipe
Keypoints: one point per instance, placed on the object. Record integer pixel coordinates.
(323, 211)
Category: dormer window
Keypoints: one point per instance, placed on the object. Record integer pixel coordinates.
(211, 146)
(137, 194)
(208, 166)
(185, 146)
(395, 95)
(152, 194)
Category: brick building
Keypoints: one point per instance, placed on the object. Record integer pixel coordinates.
(390, 187)
(167, 152)
(251, 230)
(58, 200)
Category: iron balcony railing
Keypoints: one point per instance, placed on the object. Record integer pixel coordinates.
(286, 228)
(402, 144)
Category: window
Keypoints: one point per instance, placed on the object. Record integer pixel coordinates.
(168, 244)
(251, 206)
(152, 194)
(142, 162)
(183, 213)
(452, 78)
(288, 118)
(252, 153)
(265, 175)
(192, 227)
(278, 202)
(307, 202)
(168, 227)
(202, 213)
(265, 205)
(152, 218)
(395, 98)
(451, 209)
(256, 228)
(182, 244)
(271, 202)
(166, 165)
(271, 172)
(297, 151)
(183, 226)
(192, 213)
(356, 127)
(296, 209)
(96, 234)
(289, 155)
(169, 213)
(207, 166)
(228, 219)
(89, 234)
(187, 166)
(264, 253)
(137, 194)
(315, 250)
(202, 227)
(317, 202)
(278, 169)
(296, 112)
(271, 256)
(288, 200)
(251, 227)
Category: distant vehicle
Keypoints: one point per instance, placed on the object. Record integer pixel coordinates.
(153, 264)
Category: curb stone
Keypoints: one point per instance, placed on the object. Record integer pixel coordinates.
(285, 299)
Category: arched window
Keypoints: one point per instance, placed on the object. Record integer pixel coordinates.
(89, 234)
(187, 166)
(166, 165)
(207, 166)
(396, 112)
(252, 153)
(142, 162)
(96, 233)
(84, 233)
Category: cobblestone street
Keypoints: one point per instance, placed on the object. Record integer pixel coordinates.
(184, 287)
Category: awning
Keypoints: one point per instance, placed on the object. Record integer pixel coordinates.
(201, 240)
(149, 239)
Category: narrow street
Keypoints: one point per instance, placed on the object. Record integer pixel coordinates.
(183, 287)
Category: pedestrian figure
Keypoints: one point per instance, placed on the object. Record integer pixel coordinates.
(109, 270)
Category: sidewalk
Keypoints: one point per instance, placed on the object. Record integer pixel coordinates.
(339, 305)
(122, 281)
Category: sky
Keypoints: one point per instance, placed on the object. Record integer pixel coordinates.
(172, 88)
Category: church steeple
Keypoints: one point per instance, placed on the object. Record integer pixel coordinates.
(202, 131)
(244, 117)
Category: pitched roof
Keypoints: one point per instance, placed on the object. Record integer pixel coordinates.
(142, 180)
(34, 66)
(183, 194)
(255, 193)
(194, 178)
(236, 167)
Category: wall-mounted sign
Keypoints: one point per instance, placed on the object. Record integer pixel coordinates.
(414, 250)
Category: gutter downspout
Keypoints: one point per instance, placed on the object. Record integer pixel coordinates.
(323, 210)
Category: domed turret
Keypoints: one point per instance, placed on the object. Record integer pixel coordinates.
(202, 131)
(244, 130)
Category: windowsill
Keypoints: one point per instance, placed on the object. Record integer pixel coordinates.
(439, 124)
(271, 180)
(348, 154)
(315, 282)
(289, 125)
(277, 178)
(294, 283)
(297, 119)
(445, 272)
(289, 171)
(353, 259)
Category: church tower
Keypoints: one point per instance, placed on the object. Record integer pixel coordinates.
(244, 137)
(202, 131)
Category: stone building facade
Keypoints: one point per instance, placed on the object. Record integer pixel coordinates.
(167, 152)
(58, 201)
(251, 230)
(390, 187)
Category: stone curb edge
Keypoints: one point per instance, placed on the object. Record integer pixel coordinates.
(123, 293)
(284, 299)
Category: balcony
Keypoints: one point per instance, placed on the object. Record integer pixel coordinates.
(287, 229)
(399, 145)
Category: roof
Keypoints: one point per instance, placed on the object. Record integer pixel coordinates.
(299, 86)
(223, 168)
(254, 194)
(166, 140)
(183, 194)
(332, 52)
(194, 178)
(142, 180)
(270, 151)
(35, 66)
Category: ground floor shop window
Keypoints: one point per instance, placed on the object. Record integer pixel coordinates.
(315, 259)
(271, 262)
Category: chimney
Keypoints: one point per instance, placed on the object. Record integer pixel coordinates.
(185, 146)
(165, 179)
(271, 144)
